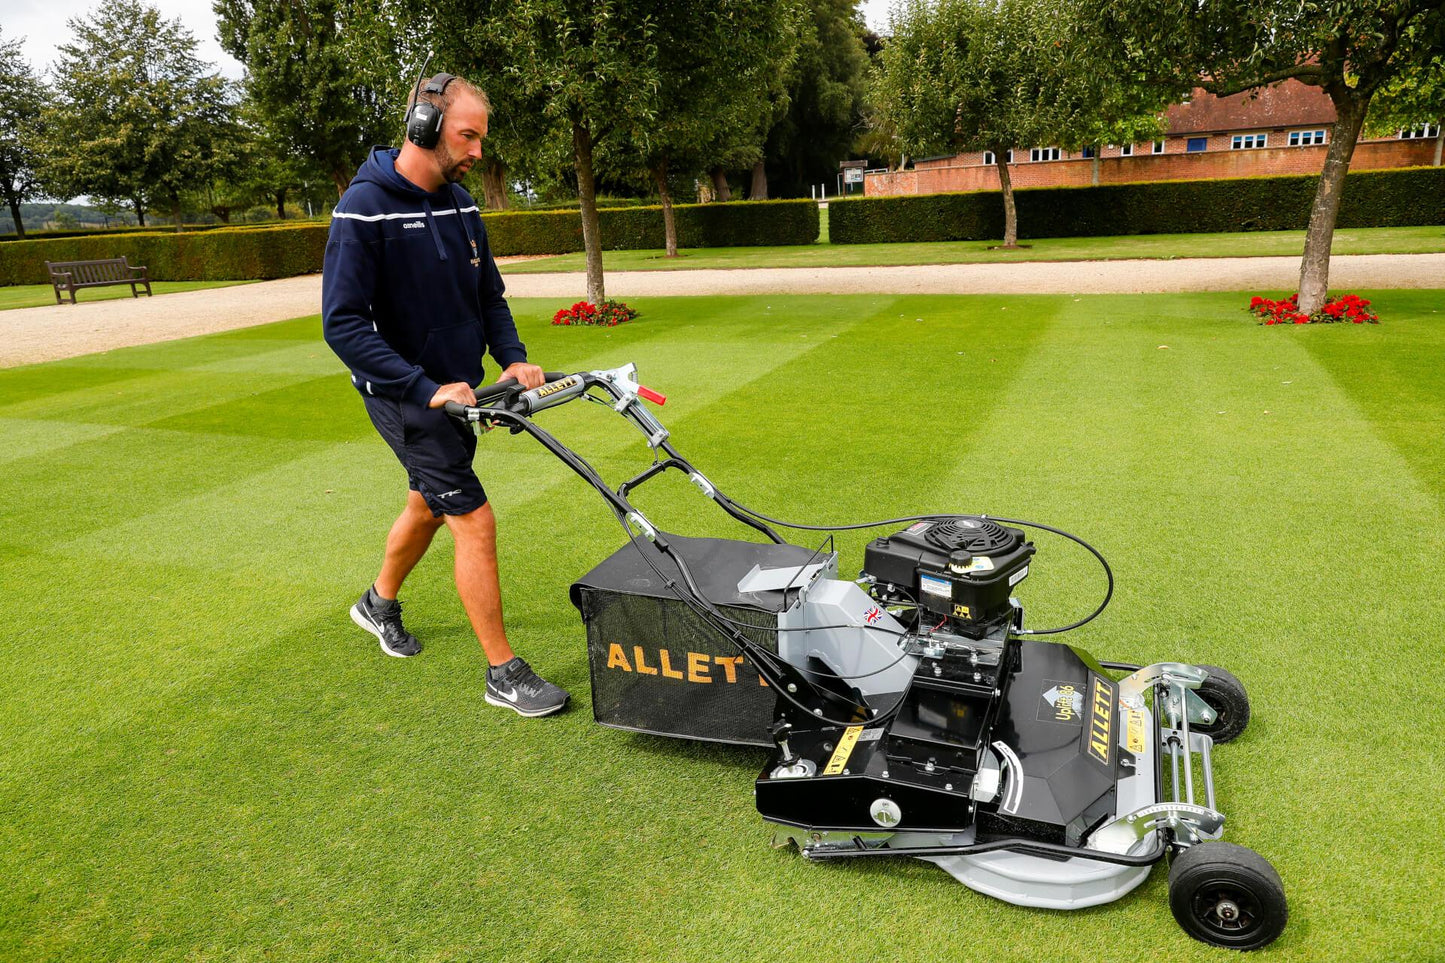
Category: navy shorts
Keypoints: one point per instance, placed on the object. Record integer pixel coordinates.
(435, 449)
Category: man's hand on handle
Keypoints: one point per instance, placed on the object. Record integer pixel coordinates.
(528, 375)
(458, 391)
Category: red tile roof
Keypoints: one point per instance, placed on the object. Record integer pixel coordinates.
(1290, 104)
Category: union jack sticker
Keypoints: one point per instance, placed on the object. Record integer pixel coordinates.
(872, 615)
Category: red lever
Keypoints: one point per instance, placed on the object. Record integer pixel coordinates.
(656, 398)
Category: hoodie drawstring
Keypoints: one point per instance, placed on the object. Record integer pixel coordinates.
(435, 234)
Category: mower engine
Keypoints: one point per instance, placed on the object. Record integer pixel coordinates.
(958, 572)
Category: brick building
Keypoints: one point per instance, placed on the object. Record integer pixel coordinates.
(1280, 130)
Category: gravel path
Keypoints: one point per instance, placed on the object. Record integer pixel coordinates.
(63, 331)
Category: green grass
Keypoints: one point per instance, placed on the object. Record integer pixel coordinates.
(204, 759)
(1380, 240)
(38, 295)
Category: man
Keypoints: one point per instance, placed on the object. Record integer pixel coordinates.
(411, 298)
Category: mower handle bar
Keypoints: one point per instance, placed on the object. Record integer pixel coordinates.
(498, 390)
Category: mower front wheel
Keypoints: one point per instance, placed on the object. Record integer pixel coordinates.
(1225, 694)
(1227, 895)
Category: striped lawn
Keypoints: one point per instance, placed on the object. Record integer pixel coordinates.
(204, 759)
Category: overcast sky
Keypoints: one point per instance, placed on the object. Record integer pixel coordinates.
(43, 25)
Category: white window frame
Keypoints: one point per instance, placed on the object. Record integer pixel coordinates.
(1008, 158)
(989, 159)
(1040, 154)
(1248, 141)
(1422, 132)
(1157, 147)
(1126, 150)
(1306, 138)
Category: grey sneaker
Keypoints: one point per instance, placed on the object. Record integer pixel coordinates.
(515, 686)
(383, 620)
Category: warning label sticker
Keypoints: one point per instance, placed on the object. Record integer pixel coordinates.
(1134, 739)
(934, 585)
(844, 750)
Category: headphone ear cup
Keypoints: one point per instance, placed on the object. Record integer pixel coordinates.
(424, 126)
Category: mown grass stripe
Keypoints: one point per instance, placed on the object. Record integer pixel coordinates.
(207, 760)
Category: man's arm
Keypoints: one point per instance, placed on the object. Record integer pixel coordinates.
(502, 341)
(348, 289)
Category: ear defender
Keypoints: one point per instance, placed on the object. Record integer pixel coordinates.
(424, 120)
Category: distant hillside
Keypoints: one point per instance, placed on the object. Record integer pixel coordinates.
(61, 217)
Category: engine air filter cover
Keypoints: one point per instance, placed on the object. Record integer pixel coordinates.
(994, 556)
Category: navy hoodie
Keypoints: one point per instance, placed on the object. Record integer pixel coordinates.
(410, 295)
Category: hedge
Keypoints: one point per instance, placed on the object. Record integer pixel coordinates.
(1392, 198)
(741, 223)
(287, 250)
(272, 252)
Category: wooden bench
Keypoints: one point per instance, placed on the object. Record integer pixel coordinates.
(73, 275)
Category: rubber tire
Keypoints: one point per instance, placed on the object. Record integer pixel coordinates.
(1205, 869)
(1225, 694)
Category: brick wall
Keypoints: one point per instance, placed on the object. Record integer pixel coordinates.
(967, 172)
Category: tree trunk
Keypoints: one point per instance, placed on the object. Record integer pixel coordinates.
(1095, 175)
(1439, 143)
(1314, 279)
(494, 184)
(224, 213)
(15, 213)
(1010, 213)
(587, 195)
(759, 189)
(281, 204)
(176, 207)
(720, 184)
(140, 211)
(669, 223)
(342, 179)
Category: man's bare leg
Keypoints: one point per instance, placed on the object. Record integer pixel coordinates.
(407, 542)
(475, 534)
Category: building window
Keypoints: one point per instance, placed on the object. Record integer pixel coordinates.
(1087, 153)
(1044, 154)
(988, 158)
(1197, 144)
(1008, 157)
(1158, 147)
(1126, 150)
(1428, 130)
(1248, 141)
(1304, 138)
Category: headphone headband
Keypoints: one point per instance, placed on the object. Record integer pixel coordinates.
(438, 84)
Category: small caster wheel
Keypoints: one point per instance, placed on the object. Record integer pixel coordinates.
(1225, 694)
(1227, 895)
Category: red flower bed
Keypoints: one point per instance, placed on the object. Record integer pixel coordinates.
(1350, 308)
(605, 314)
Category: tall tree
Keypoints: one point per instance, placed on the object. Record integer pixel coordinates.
(591, 65)
(1412, 101)
(20, 96)
(723, 68)
(137, 115)
(326, 74)
(994, 75)
(825, 100)
(1351, 49)
(522, 140)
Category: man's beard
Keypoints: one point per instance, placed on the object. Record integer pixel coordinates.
(453, 168)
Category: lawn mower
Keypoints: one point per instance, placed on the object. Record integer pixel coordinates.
(910, 712)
